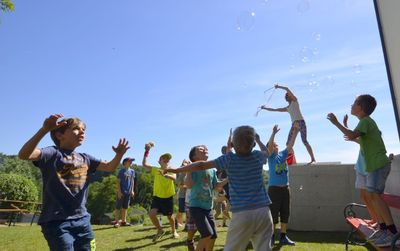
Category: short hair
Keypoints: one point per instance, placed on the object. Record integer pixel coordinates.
(193, 152)
(243, 139)
(70, 123)
(367, 103)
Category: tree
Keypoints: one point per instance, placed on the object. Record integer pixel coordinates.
(6, 5)
(17, 187)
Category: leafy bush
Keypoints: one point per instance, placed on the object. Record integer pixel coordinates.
(144, 190)
(102, 197)
(16, 187)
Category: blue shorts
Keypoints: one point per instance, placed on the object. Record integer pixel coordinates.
(123, 202)
(69, 235)
(181, 202)
(204, 220)
(361, 181)
(376, 180)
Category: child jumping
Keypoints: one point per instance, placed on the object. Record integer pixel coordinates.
(65, 220)
(294, 111)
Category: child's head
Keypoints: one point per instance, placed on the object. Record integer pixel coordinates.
(288, 98)
(164, 159)
(199, 152)
(127, 162)
(275, 145)
(363, 104)
(72, 132)
(243, 139)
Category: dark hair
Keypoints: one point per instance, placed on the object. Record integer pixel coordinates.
(243, 139)
(367, 103)
(193, 152)
(70, 123)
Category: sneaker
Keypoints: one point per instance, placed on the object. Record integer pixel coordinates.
(125, 224)
(190, 245)
(159, 234)
(376, 235)
(284, 240)
(175, 235)
(272, 240)
(385, 240)
(116, 225)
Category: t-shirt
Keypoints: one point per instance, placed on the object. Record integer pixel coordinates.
(126, 178)
(204, 182)
(246, 185)
(65, 176)
(294, 111)
(180, 180)
(360, 164)
(278, 169)
(372, 145)
(163, 187)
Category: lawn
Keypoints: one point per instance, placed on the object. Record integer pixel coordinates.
(25, 238)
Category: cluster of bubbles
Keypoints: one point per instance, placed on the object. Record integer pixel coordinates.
(246, 21)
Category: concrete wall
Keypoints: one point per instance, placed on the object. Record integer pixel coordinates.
(320, 192)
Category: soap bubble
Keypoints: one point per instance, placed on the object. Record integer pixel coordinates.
(357, 68)
(306, 54)
(246, 20)
(303, 6)
(316, 36)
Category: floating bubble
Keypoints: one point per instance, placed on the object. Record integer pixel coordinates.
(246, 20)
(316, 36)
(328, 81)
(315, 51)
(312, 84)
(306, 54)
(301, 188)
(303, 6)
(265, 2)
(357, 68)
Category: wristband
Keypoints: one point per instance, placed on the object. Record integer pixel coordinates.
(146, 153)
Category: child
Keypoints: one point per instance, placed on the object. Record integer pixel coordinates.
(377, 164)
(202, 183)
(294, 111)
(126, 187)
(251, 217)
(180, 182)
(278, 189)
(221, 205)
(163, 192)
(64, 219)
(190, 223)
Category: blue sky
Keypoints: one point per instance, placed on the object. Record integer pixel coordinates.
(182, 73)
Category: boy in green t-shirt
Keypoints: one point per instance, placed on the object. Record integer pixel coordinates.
(377, 164)
(163, 192)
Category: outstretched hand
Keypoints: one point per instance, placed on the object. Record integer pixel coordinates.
(275, 129)
(122, 147)
(51, 123)
(332, 118)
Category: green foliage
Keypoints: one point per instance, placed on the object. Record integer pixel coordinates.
(102, 196)
(12, 164)
(16, 187)
(6, 5)
(144, 190)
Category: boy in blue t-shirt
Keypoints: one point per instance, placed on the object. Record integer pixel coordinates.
(64, 219)
(251, 217)
(126, 187)
(278, 187)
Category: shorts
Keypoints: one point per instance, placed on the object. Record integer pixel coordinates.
(69, 235)
(205, 222)
(280, 207)
(303, 131)
(190, 224)
(164, 205)
(123, 202)
(181, 204)
(376, 180)
(361, 181)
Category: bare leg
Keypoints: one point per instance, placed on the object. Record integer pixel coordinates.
(154, 219)
(310, 152)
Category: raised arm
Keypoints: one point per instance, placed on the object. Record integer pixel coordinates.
(348, 134)
(292, 139)
(29, 150)
(271, 140)
(261, 145)
(147, 148)
(288, 91)
(120, 150)
(229, 144)
(283, 109)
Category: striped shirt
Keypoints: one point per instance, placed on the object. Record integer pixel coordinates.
(246, 186)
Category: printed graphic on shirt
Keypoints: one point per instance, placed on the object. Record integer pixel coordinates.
(74, 172)
(281, 168)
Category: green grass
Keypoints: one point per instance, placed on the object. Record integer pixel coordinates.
(26, 238)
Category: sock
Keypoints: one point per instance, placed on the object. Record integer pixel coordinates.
(392, 228)
(382, 226)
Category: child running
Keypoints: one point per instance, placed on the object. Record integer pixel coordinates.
(251, 217)
(294, 111)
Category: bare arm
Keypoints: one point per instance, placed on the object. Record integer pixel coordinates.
(147, 148)
(260, 144)
(196, 166)
(29, 150)
(229, 144)
(271, 140)
(188, 180)
(283, 109)
(120, 150)
(289, 92)
(349, 134)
